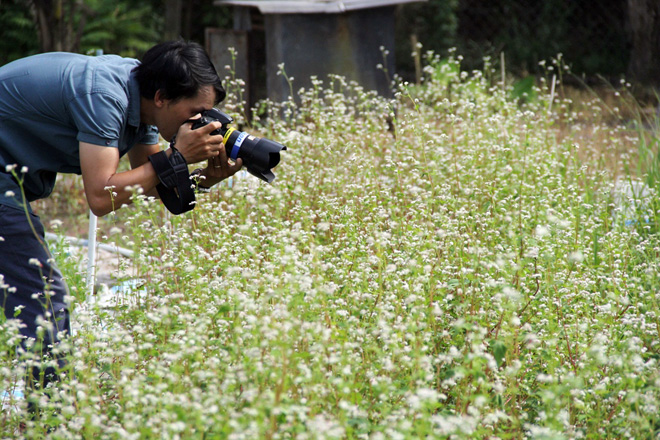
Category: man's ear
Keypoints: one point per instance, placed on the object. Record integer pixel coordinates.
(159, 99)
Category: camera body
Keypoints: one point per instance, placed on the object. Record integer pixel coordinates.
(259, 155)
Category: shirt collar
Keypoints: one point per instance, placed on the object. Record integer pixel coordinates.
(133, 101)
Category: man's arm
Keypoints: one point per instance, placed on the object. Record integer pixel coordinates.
(138, 156)
(105, 188)
(218, 167)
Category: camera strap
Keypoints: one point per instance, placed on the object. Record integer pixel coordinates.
(175, 188)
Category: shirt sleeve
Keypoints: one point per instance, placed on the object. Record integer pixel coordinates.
(98, 117)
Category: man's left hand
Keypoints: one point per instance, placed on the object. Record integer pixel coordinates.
(219, 168)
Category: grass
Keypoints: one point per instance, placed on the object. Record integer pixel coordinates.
(451, 263)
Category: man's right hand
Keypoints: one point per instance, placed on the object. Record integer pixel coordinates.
(198, 145)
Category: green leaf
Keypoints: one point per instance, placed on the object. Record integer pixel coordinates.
(524, 89)
(499, 352)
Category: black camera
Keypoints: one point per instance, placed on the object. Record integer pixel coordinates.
(259, 155)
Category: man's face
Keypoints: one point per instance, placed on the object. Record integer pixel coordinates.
(172, 114)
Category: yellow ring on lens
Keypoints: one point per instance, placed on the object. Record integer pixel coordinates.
(229, 132)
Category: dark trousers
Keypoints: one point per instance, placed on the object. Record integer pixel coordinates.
(32, 289)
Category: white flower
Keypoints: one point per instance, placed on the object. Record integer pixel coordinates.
(9, 193)
(532, 252)
(541, 231)
(512, 294)
(576, 257)
(10, 168)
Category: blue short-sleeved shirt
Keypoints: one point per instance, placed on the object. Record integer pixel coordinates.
(51, 102)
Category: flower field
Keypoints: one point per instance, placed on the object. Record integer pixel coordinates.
(458, 262)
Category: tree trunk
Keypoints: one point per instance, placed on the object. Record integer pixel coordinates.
(644, 28)
(47, 26)
(172, 19)
(56, 26)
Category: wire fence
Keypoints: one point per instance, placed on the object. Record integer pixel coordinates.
(591, 36)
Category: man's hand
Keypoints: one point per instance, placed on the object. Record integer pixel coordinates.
(198, 145)
(219, 168)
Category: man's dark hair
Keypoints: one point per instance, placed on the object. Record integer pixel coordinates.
(179, 69)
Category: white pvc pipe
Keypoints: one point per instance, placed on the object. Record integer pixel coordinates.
(91, 253)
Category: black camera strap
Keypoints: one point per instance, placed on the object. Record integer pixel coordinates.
(175, 188)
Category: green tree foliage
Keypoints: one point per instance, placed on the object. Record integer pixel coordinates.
(433, 24)
(123, 27)
(126, 28)
(18, 31)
